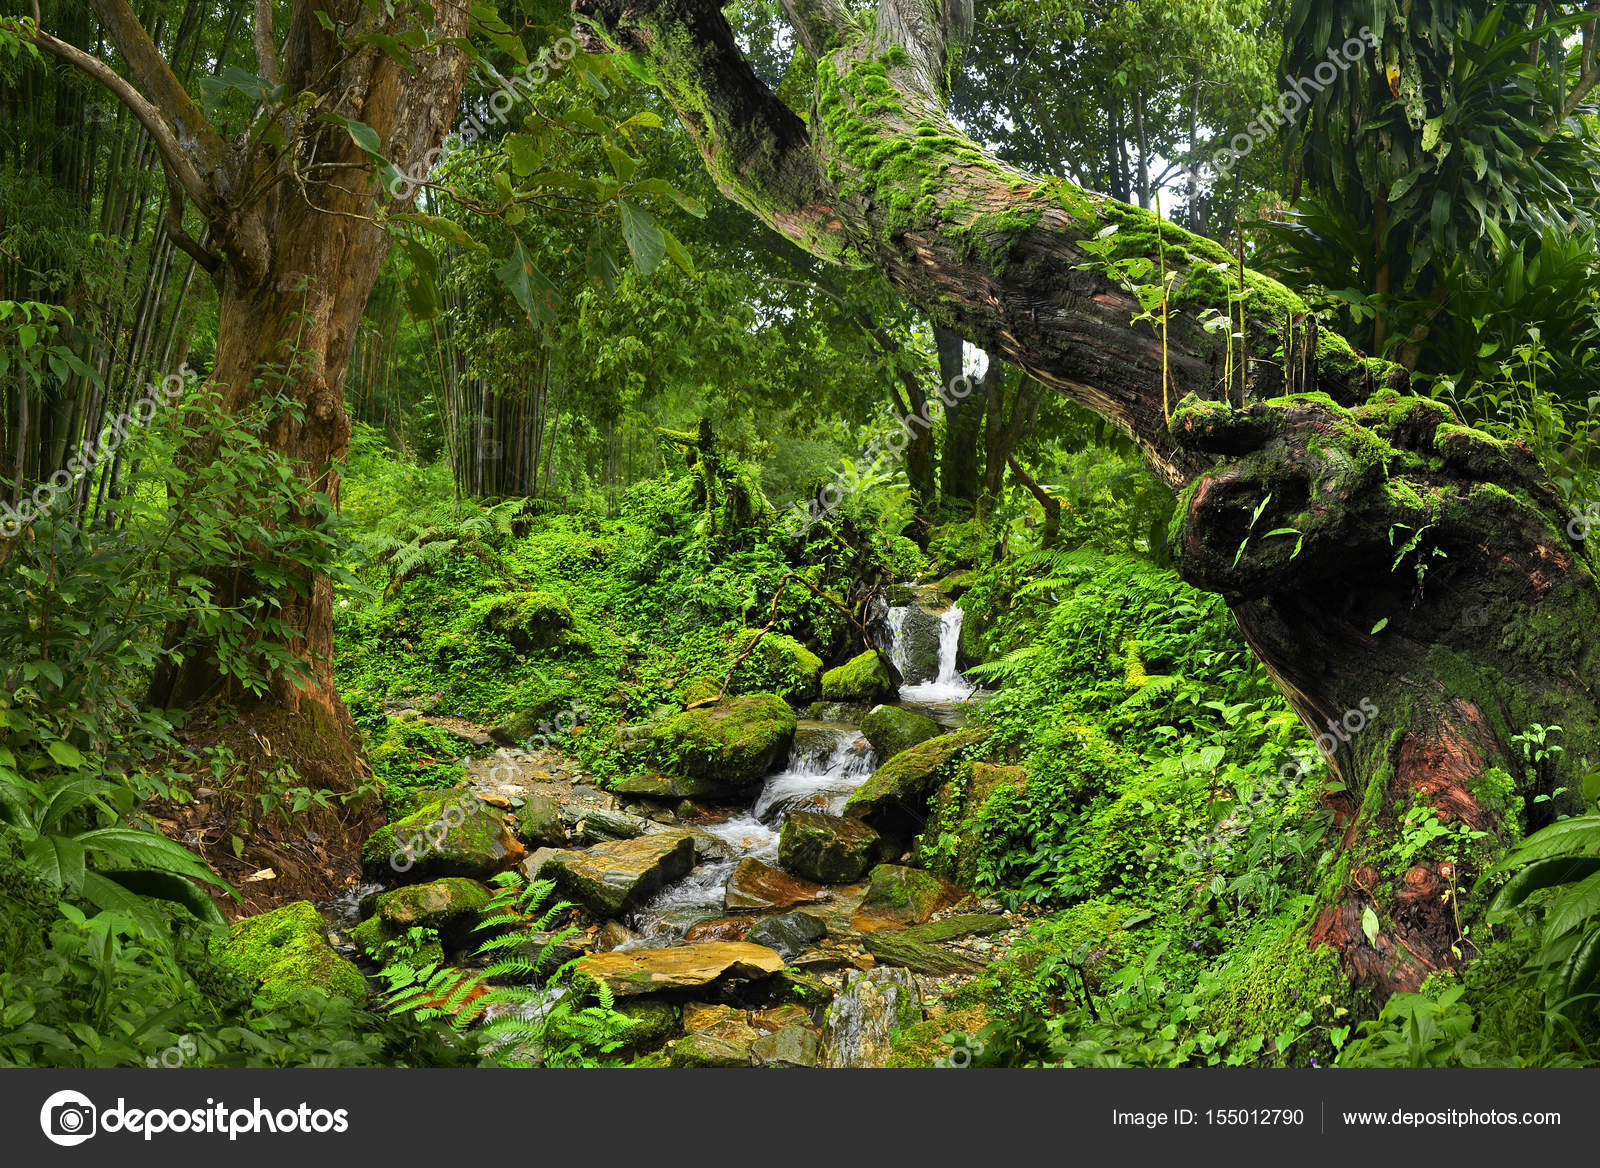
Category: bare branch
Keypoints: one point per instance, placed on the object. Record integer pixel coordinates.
(173, 155)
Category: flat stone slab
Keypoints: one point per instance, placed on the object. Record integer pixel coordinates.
(610, 878)
(650, 971)
(757, 885)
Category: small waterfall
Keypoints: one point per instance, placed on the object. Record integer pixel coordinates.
(826, 763)
(949, 685)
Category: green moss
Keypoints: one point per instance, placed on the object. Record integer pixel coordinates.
(891, 729)
(736, 742)
(861, 679)
(531, 621)
(779, 664)
(286, 951)
(1284, 994)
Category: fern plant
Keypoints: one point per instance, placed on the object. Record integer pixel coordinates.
(526, 1010)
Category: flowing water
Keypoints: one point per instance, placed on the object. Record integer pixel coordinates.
(828, 761)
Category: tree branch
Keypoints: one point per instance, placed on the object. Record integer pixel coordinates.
(820, 24)
(162, 133)
(162, 89)
(266, 43)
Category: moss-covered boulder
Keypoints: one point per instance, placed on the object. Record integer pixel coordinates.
(894, 801)
(891, 729)
(532, 621)
(452, 833)
(898, 896)
(710, 1050)
(861, 679)
(539, 822)
(452, 906)
(828, 848)
(654, 1021)
(736, 742)
(664, 788)
(778, 664)
(285, 951)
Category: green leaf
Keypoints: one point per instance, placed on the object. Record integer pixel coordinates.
(643, 235)
(528, 286)
(1380, 626)
(65, 753)
(1369, 925)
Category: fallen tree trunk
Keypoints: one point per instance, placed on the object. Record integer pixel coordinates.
(1378, 555)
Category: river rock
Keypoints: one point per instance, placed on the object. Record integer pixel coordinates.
(654, 1022)
(918, 645)
(611, 878)
(755, 885)
(898, 896)
(699, 1016)
(861, 679)
(894, 801)
(918, 949)
(452, 833)
(863, 1017)
(539, 822)
(891, 729)
(790, 934)
(663, 787)
(719, 929)
(828, 848)
(614, 935)
(793, 1046)
(708, 1050)
(648, 971)
(453, 905)
(735, 742)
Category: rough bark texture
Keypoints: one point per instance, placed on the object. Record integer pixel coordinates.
(299, 253)
(1399, 514)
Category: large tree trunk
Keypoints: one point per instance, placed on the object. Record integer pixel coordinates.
(290, 213)
(1432, 577)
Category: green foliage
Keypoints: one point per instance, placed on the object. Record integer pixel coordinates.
(550, 1023)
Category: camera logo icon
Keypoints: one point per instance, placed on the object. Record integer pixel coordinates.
(68, 1118)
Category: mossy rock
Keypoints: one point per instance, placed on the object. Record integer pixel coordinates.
(710, 1050)
(452, 906)
(897, 895)
(699, 689)
(285, 951)
(539, 823)
(665, 788)
(452, 833)
(895, 799)
(778, 664)
(736, 743)
(828, 848)
(798, 987)
(861, 679)
(654, 1021)
(891, 729)
(533, 622)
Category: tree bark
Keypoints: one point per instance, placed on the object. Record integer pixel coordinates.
(1431, 575)
(298, 254)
